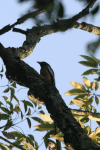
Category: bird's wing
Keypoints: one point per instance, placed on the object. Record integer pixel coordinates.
(51, 74)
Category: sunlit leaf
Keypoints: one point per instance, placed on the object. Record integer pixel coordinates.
(2, 146)
(77, 85)
(94, 118)
(96, 85)
(47, 142)
(46, 118)
(82, 105)
(75, 92)
(86, 82)
(92, 85)
(58, 136)
(6, 98)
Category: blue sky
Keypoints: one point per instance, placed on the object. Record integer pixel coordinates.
(61, 50)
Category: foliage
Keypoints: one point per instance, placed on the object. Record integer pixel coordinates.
(86, 97)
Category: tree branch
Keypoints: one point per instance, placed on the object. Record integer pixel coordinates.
(13, 144)
(23, 74)
(87, 27)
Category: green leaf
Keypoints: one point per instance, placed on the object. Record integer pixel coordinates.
(96, 100)
(77, 85)
(8, 124)
(16, 99)
(16, 134)
(92, 85)
(84, 120)
(38, 120)
(5, 110)
(90, 71)
(29, 112)
(47, 135)
(90, 100)
(39, 106)
(31, 136)
(97, 60)
(44, 127)
(8, 135)
(11, 105)
(6, 90)
(13, 84)
(29, 140)
(42, 112)
(96, 85)
(47, 141)
(86, 63)
(36, 145)
(12, 93)
(90, 59)
(17, 109)
(21, 115)
(6, 98)
(29, 122)
(27, 103)
(80, 97)
(75, 92)
(86, 82)
(4, 116)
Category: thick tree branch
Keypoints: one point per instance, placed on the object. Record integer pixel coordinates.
(23, 74)
(33, 35)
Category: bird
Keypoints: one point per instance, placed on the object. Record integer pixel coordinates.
(47, 72)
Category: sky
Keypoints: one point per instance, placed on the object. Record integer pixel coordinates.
(61, 50)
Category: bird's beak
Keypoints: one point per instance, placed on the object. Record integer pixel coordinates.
(38, 62)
